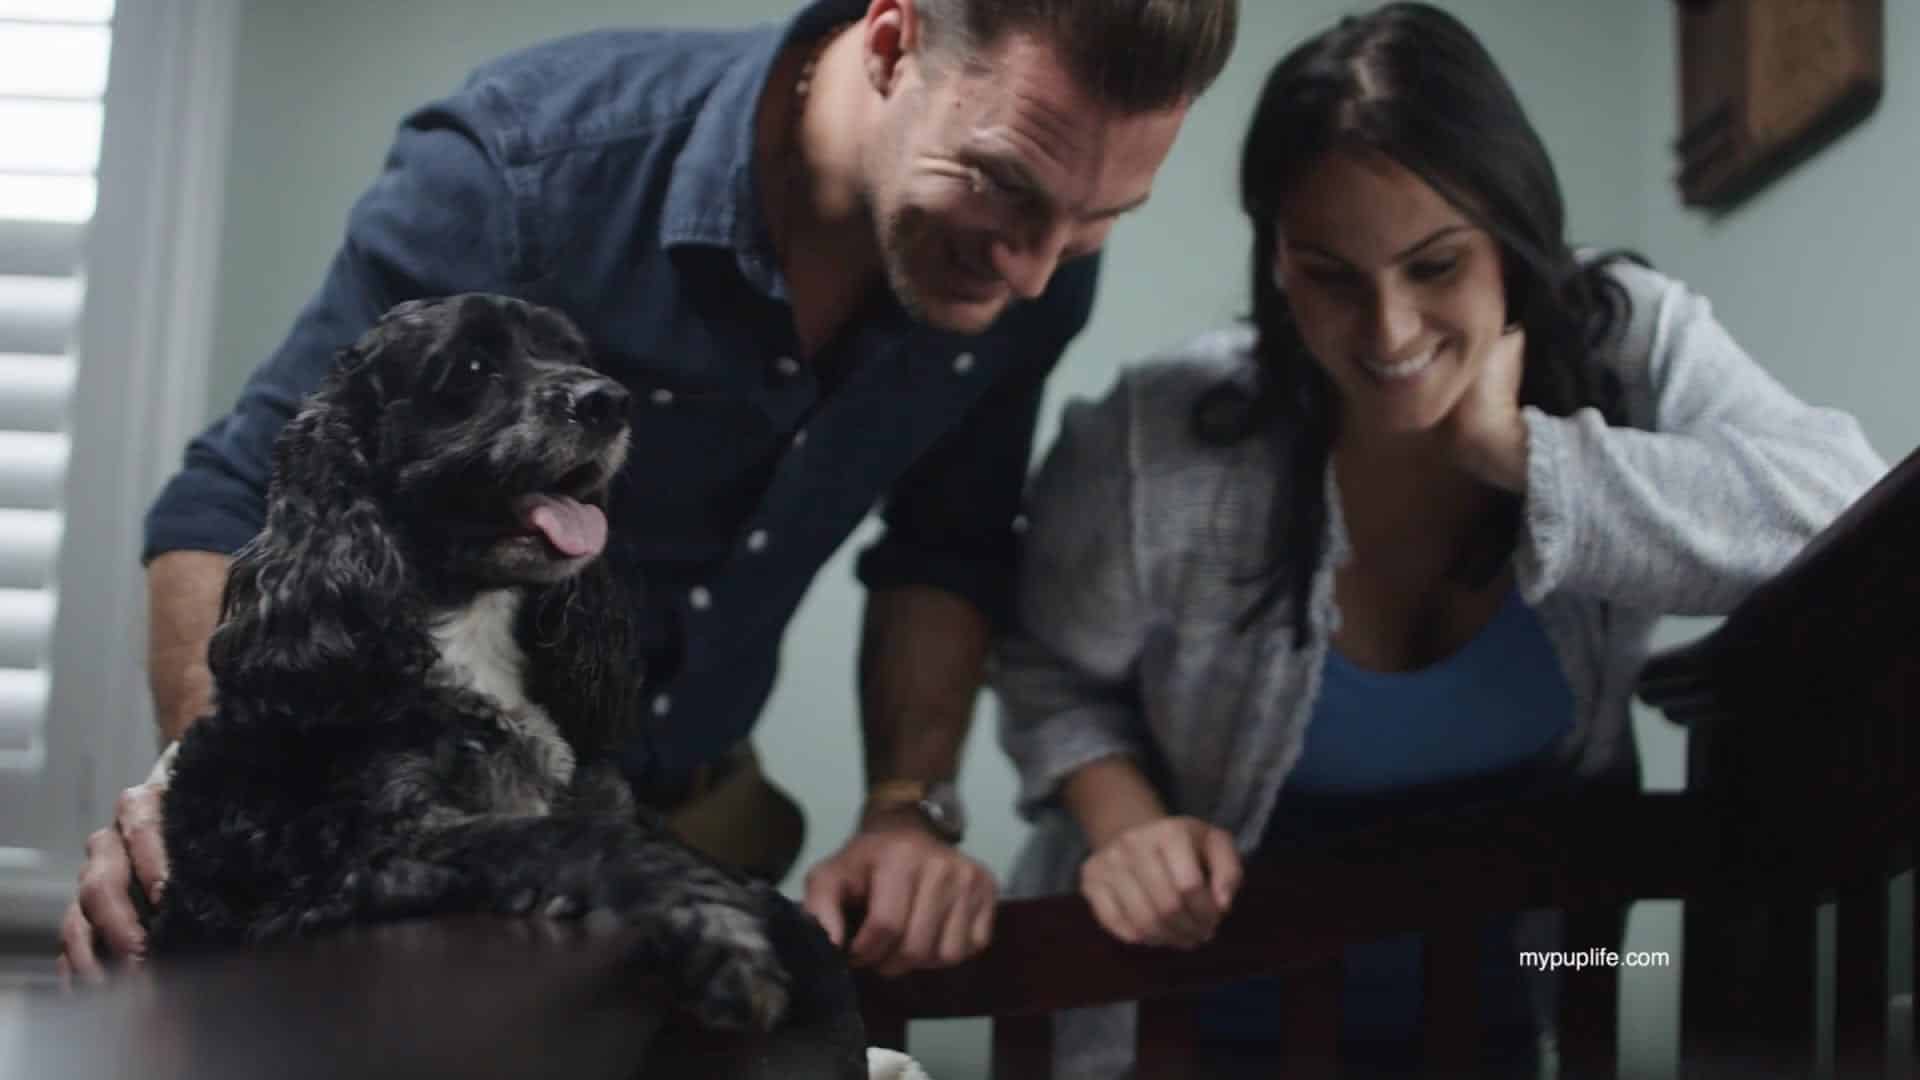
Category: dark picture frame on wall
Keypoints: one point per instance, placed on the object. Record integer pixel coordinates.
(1765, 84)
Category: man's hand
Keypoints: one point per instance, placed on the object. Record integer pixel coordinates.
(183, 602)
(102, 922)
(928, 905)
(1168, 882)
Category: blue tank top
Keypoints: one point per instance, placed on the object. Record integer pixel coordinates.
(1499, 702)
(1382, 744)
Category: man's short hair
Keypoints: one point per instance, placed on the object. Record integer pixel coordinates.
(1134, 55)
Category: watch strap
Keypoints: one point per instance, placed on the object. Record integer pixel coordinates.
(888, 794)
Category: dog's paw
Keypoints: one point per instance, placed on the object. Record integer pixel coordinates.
(730, 973)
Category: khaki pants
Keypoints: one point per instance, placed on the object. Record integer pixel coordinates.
(738, 816)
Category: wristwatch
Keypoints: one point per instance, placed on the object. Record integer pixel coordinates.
(937, 802)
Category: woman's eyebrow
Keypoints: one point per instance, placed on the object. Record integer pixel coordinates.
(1432, 238)
(1435, 237)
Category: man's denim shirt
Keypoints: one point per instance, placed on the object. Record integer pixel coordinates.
(609, 175)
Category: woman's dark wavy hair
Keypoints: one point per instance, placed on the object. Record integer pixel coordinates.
(1412, 83)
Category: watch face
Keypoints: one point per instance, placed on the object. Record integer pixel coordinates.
(942, 808)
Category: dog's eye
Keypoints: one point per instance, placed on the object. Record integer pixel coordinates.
(459, 375)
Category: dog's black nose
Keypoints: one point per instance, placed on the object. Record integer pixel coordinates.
(601, 404)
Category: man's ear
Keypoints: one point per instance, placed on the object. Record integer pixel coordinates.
(892, 35)
(1280, 264)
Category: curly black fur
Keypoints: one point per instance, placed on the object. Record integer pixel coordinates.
(416, 684)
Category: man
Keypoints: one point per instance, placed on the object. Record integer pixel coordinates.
(823, 257)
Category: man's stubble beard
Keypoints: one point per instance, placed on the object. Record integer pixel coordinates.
(897, 235)
(902, 239)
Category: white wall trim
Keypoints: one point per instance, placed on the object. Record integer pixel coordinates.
(145, 336)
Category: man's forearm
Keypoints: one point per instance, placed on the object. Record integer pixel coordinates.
(183, 606)
(923, 655)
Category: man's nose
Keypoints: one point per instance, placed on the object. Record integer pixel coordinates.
(1027, 262)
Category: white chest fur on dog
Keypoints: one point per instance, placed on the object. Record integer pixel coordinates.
(478, 651)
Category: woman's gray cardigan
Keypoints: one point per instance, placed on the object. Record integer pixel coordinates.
(1141, 539)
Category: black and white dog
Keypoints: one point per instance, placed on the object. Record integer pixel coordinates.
(422, 656)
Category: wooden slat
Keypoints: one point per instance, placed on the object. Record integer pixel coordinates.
(1164, 1039)
(1860, 985)
(886, 1028)
(1450, 965)
(1310, 1021)
(1747, 987)
(1589, 1033)
(1023, 1047)
(1588, 1027)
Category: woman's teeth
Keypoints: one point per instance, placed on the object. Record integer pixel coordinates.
(1401, 369)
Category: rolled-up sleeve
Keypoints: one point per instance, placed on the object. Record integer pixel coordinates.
(950, 521)
(1066, 672)
(438, 220)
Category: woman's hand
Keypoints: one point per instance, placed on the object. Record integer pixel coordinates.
(1167, 882)
(1485, 429)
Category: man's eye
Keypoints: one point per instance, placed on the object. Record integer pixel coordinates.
(989, 186)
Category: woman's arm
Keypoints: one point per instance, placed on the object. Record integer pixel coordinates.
(1108, 797)
(1064, 674)
(1730, 478)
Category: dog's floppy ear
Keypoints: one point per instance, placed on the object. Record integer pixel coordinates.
(357, 371)
(590, 649)
(323, 592)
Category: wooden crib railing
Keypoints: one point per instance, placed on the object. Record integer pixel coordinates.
(1801, 710)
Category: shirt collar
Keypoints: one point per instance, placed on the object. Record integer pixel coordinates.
(713, 197)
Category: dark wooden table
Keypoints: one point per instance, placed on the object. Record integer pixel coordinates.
(472, 998)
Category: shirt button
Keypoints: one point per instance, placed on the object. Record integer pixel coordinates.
(963, 363)
(757, 540)
(799, 439)
(787, 366)
(662, 396)
(700, 598)
(662, 705)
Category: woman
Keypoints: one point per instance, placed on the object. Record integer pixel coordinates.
(1398, 545)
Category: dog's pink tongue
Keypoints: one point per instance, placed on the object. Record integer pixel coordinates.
(573, 528)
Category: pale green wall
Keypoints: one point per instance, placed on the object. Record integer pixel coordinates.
(1811, 277)
(1816, 274)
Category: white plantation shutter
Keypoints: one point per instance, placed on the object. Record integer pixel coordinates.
(53, 78)
(113, 136)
